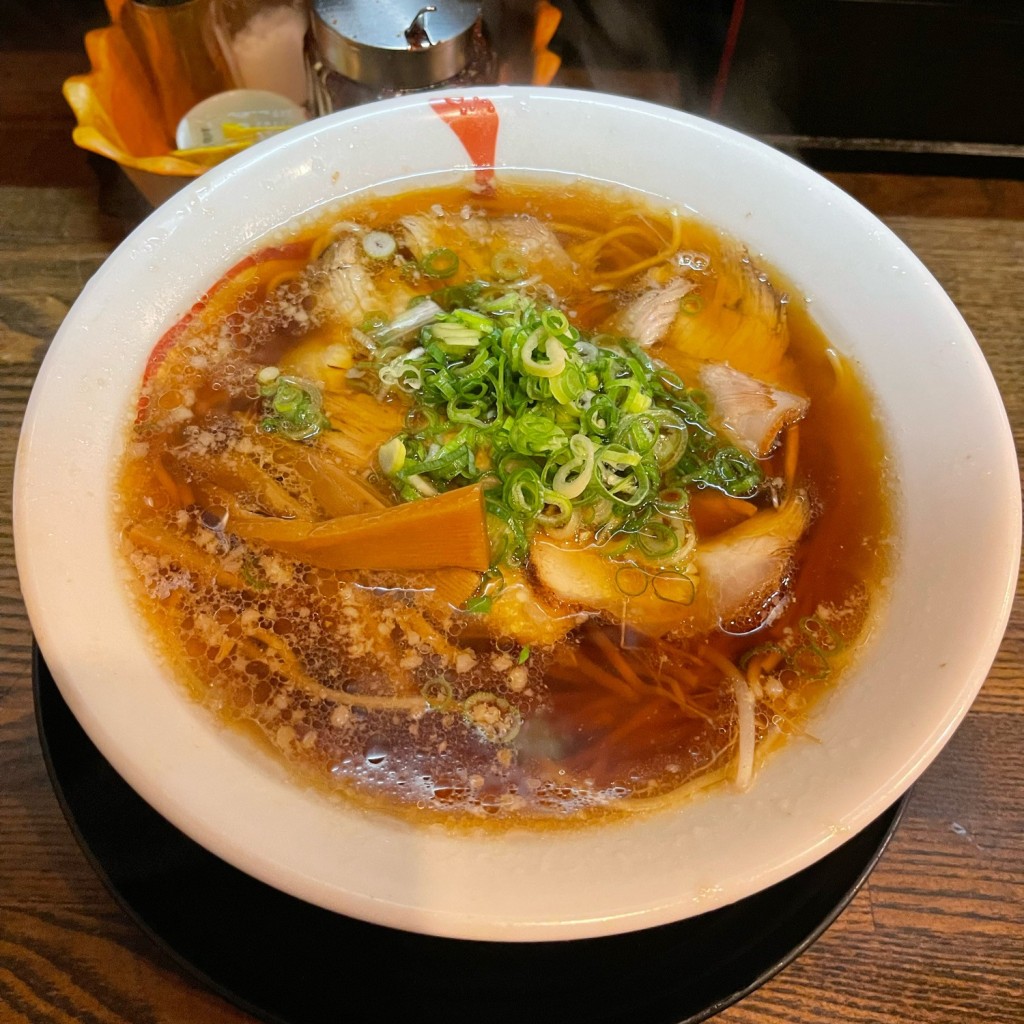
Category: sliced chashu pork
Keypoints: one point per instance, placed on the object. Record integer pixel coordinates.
(741, 318)
(477, 240)
(750, 411)
(527, 237)
(740, 575)
(648, 317)
(345, 286)
(518, 611)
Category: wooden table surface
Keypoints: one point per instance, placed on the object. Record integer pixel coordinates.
(937, 934)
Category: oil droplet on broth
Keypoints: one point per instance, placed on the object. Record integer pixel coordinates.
(376, 752)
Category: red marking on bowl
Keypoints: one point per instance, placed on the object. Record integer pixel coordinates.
(475, 122)
(293, 250)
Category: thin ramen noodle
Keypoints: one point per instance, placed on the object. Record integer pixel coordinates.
(541, 506)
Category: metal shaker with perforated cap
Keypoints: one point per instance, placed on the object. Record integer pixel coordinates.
(361, 50)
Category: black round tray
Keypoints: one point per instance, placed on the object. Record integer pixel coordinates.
(288, 962)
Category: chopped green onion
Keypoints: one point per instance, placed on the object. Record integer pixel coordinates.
(736, 472)
(402, 373)
(508, 266)
(572, 479)
(672, 499)
(379, 245)
(556, 511)
(601, 417)
(618, 455)
(821, 635)
(405, 324)
(440, 263)
(555, 322)
(492, 583)
(293, 407)
(569, 385)
(810, 662)
(252, 573)
(534, 433)
(636, 401)
(551, 365)
(391, 456)
(671, 445)
(422, 486)
(452, 296)
(677, 587)
(565, 431)
(691, 303)
(657, 540)
(455, 335)
(621, 477)
(523, 492)
(373, 322)
(438, 693)
(631, 580)
(479, 322)
(492, 716)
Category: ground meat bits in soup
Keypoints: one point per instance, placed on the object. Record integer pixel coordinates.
(532, 507)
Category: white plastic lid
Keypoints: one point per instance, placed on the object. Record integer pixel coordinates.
(227, 117)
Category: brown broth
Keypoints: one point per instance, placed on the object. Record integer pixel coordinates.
(279, 648)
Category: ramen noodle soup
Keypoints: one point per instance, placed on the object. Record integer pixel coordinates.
(542, 505)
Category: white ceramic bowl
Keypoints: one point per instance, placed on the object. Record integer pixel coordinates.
(885, 722)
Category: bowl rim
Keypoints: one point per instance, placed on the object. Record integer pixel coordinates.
(418, 904)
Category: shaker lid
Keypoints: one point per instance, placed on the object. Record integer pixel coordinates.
(395, 44)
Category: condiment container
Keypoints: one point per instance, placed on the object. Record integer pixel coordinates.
(361, 50)
(235, 119)
(263, 42)
(181, 53)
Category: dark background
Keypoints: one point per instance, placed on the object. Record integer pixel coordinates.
(920, 86)
(923, 85)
